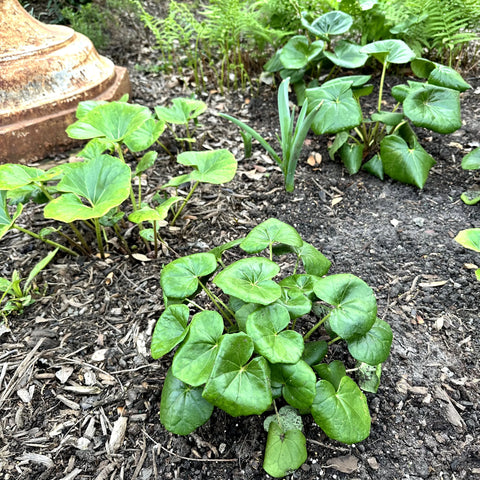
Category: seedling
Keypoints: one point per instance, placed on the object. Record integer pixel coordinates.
(292, 136)
(20, 296)
(258, 348)
(471, 161)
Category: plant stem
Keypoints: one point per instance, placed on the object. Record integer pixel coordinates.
(99, 238)
(336, 339)
(155, 239)
(315, 327)
(46, 240)
(79, 236)
(225, 313)
(179, 211)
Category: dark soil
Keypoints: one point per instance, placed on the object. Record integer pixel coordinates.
(75, 366)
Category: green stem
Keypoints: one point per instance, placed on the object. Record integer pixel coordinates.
(46, 240)
(79, 236)
(99, 238)
(179, 211)
(216, 301)
(315, 327)
(336, 339)
(155, 239)
(120, 237)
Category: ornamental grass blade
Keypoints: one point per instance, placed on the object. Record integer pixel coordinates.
(355, 305)
(374, 346)
(211, 166)
(266, 327)
(433, 107)
(182, 407)
(179, 278)
(342, 414)
(235, 386)
(113, 121)
(250, 280)
(194, 360)
(269, 232)
(90, 190)
(285, 452)
(170, 330)
(298, 382)
(405, 163)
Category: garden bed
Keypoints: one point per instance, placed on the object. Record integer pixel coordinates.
(79, 392)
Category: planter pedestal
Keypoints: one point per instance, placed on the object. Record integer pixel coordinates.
(45, 71)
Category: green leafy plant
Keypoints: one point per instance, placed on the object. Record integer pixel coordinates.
(385, 142)
(19, 296)
(265, 342)
(292, 135)
(88, 195)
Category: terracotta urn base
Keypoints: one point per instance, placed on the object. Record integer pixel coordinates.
(45, 71)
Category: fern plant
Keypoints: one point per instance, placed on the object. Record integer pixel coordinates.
(445, 28)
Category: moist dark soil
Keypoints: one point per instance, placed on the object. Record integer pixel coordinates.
(80, 393)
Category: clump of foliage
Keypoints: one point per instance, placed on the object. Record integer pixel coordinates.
(90, 195)
(222, 42)
(266, 341)
(292, 135)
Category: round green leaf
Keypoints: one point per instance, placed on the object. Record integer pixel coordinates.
(266, 328)
(298, 382)
(339, 111)
(388, 118)
(295, 302)
(158, 214)
(469, 238)
(194, 359)
(182, 407)
(347, 55)
(237, 387)
(374, 166)
(145, 135)
(298, 52)
(249, 279)
(354, 80)
(354, 301)
(392, 51)
(179, 278)
(269, 232)
(315, 352)
(284, 452)
(301, 282)
(333, 372)
(14, 176)
(170, 330)
(103, 182)
(352, 156)
(404, 163)
(471, 161)
(343, 414)
(113, 120)
(182, 111)
(331, 23)
(146, 162)
(314, 262)
(436, 108)
(438, 74)
(211, 166)
(373, 347)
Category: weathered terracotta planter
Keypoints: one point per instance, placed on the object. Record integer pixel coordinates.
(45, 71)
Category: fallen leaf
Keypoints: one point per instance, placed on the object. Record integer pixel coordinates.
(470, 266)
(440, 283)
(118, 434)
(99, 355)
(345, 464)
(141, 257)
(336, 200)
